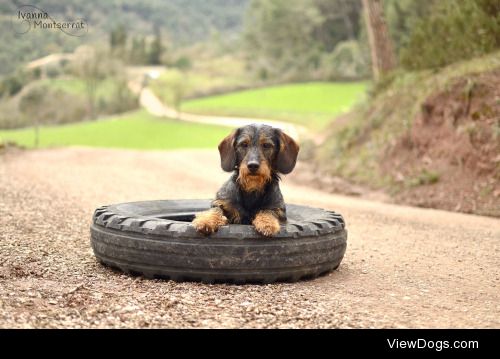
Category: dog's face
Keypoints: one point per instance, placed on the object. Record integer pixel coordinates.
(258, 152)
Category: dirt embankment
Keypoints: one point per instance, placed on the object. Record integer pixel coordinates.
(449, 158)
(452, 152)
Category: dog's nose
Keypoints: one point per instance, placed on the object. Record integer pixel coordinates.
(253, 166)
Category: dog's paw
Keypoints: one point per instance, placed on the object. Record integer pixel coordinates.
(209, 221)
(266, 224)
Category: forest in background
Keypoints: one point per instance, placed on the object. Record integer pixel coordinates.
(287, 40)
(182, 23)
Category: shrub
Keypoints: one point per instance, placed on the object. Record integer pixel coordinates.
(346, 62)
(43, 104)
(455, 30)
(14, 83)
(11, 85)
(10, 116)
(183, 63)
(52, 71)
(121, 99)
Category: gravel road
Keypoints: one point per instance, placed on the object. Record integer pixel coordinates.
(404, 267)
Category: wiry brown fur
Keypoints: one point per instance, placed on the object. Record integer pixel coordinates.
(229, 211)
(254, 182)
(266, 223)
(209, 221)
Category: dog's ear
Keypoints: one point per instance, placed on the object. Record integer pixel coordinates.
(227, 152)
(287, 155)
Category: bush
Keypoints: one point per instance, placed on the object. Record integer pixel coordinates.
(14, 83)
(43, 105)
(10, 116)
(183, 63)
(346, 62)
(455, 30)
(121, 99)
(52, 71)
(16, 114)
(37, 73)
(172, 87)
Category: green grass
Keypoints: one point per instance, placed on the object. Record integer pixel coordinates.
(77, 87)
(136, 130)
(311, 104)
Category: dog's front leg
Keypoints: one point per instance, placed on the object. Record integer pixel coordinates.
(266, 222)
(209, 221)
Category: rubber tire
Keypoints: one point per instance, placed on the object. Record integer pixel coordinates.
(156, 239)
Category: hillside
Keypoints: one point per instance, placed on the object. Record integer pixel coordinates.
(429, 139)
(182, 22)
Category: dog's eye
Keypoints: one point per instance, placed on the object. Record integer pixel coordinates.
(243, 145)
(267, 145)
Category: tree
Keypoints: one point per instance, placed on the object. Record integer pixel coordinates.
(175, 86)
(340, 22)
(287, 39)
(278, 37)
(118, 37)
(93, 66)
(382, 52)
(31, 103)
(401, 17)
(138, 54)
(454, 30)
(118, 42)
(156, 48)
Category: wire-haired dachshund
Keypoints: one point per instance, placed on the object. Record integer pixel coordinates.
(256, 154)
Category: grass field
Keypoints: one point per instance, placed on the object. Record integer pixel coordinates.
(137, 130)
(77, 87)
(312, 104)
(215, 75)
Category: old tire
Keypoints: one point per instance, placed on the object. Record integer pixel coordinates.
(156, 239)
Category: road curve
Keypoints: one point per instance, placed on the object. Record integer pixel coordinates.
(155, 106)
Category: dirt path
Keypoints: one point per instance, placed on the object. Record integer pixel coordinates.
(154, 105)
(404, 267)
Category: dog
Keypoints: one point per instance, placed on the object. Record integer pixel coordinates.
(257, 155)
